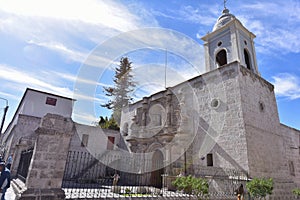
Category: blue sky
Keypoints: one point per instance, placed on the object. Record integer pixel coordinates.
(46, 44)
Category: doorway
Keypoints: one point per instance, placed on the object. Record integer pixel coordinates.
(158, 169)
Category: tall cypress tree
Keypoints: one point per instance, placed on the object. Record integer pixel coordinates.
(123, 86)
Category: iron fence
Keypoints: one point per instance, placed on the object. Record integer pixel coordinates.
(92, 177)
(23, 167)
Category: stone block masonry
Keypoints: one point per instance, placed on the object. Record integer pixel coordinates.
(49, 159)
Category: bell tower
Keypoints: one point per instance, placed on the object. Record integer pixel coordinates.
(229, 41)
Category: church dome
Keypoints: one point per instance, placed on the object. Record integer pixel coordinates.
(223, 19)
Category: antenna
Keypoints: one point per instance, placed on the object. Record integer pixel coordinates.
(166, 63)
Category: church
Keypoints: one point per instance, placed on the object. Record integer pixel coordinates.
(222, 125)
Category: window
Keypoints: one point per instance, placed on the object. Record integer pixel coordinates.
(51, 101)
(209, 159)
(221, 58)
(261, 106)
(291, 168)
(215, 103)
(110, 142)
(247, 59)
(84, 140)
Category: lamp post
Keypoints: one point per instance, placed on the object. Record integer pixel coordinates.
(4, 114)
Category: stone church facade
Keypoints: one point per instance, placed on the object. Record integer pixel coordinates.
(223, 120)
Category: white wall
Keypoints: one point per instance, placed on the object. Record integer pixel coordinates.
(34, 104)
(97, 139)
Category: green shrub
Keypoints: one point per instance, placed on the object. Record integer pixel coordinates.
(296, 192)
(127, 191)
(260, 187)
(192, 185)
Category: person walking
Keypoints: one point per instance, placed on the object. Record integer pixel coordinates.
(9, 161)
(240, 192)
(4, 180)
(116, 178)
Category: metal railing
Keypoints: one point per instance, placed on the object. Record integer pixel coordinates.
(86, 177)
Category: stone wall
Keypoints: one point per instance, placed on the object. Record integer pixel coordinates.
(47, 165)
(264, 142)
(291, 138)
(25, 127)
(221, 122)
(268, 143)
(231, 113)
(203, 116)
(22, 137)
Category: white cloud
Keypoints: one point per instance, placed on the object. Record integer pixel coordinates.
(287, 85)
(62, 49)
(255, 26)
(203, 15)
(25, 79)
(19, 80)
(8, 95)
(276, 25)
(288, 9)
(107, 13)
(83, 57)
(89, 98)
(85, 118)
(197, 15)
(74, 79)
(40, 19)
(70, 28)
(284, 40)
(263, 8)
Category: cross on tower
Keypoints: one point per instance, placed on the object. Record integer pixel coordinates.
(225, 4)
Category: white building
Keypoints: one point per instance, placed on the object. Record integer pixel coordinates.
(20, 134)
(34, 105)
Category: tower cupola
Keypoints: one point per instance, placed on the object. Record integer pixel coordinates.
(223, 19)
(228, 42)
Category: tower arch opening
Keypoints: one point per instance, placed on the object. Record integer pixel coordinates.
(221, 58)
(247, 59)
